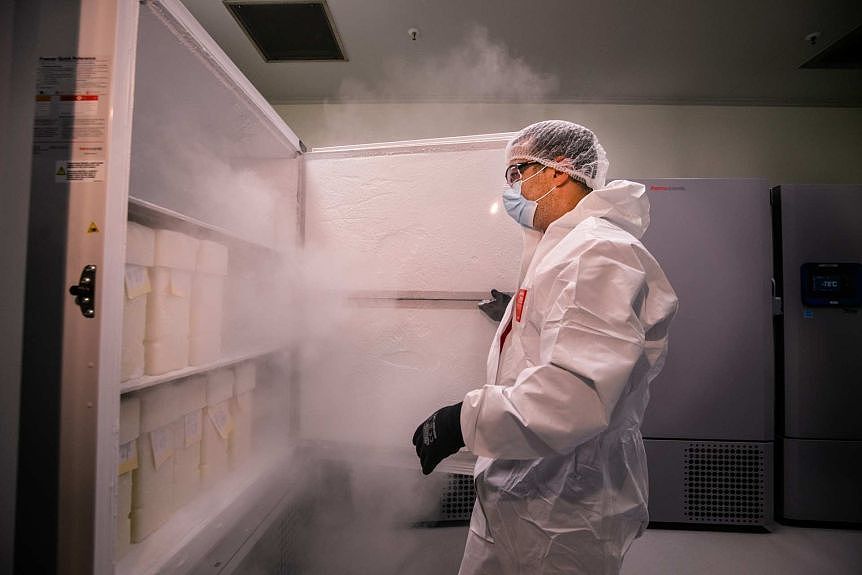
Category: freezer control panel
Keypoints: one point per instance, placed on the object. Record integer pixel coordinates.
(832, 284)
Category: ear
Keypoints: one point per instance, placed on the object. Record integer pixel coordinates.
(559, 177)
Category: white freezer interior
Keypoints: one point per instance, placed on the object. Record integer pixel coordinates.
(208, 161)
(414, 218)
(396, 365)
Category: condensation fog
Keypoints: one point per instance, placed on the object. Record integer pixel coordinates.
(478, 69)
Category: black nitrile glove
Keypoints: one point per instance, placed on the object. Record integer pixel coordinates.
(438, 437)
(497, 307)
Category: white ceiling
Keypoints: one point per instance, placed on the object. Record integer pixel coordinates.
(647, 51)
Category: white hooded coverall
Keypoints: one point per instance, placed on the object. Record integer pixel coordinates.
(561, 478)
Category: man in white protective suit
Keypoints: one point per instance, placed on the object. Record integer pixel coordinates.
(561, 477)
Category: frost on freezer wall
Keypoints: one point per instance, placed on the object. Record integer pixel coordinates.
(414, 222)
(395, 366)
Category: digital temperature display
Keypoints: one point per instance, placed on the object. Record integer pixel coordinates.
(831, 285)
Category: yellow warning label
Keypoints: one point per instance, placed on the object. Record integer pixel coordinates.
(93, 228)
(61, 171)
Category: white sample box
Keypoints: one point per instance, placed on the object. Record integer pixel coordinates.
(140, 256)
(167, 332)
(130, 429)
(242, 410)
(207, 304)
(218, 426)
(153, 480)
(190, 400)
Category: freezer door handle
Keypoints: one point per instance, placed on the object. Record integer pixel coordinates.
(777, 300)
(85, 292)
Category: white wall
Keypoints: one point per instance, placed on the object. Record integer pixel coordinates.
(781, 144)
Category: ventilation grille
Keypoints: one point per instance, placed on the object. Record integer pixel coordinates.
(844, 54)
(290, 30)
(456, 502)
(725, 483)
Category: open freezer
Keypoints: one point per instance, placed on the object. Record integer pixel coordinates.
(246, 321)
(159, 408)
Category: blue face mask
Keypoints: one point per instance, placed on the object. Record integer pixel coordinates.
(520, 208)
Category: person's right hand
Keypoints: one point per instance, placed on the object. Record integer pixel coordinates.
(438, 437)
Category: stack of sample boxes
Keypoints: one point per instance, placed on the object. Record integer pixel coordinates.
(140, 255)
(168, 310)
(130, 429)
(207, 303)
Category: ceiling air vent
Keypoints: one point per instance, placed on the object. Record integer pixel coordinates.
(289, 31)
(845, 54)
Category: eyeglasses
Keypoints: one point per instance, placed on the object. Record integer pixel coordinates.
(515, 172)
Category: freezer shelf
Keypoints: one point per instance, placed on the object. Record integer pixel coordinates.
(194, 530)
(155, 216)
(151, 380)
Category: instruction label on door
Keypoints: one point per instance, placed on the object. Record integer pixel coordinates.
(89, 171)
(71, 121)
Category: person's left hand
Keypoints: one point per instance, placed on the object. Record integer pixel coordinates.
(438, 437)
(496, 308)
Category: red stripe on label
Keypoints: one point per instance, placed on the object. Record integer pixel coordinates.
(79, 98)
(519, 304)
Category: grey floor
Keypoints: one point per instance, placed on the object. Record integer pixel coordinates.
(786, 551)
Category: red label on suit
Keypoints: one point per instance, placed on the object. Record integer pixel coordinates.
(519, 304)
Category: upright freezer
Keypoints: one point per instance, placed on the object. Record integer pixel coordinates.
(818, 267)
(708, 430)
(158, 369)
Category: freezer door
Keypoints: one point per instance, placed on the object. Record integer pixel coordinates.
(713, 240)
(819, 224)
(76, 229)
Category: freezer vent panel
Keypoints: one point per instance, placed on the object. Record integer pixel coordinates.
(288, 31)
(456, 503)
(844, 54)
(725, 483)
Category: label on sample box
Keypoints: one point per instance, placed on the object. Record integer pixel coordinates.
(194, 429)
(128, 457)
(181, 283)
(160, 441)
(220, 417)
(137, 281)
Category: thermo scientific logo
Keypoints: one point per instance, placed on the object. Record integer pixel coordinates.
(653, 188)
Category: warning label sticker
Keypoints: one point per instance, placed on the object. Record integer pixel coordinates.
(83, 171)
(72, 108)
